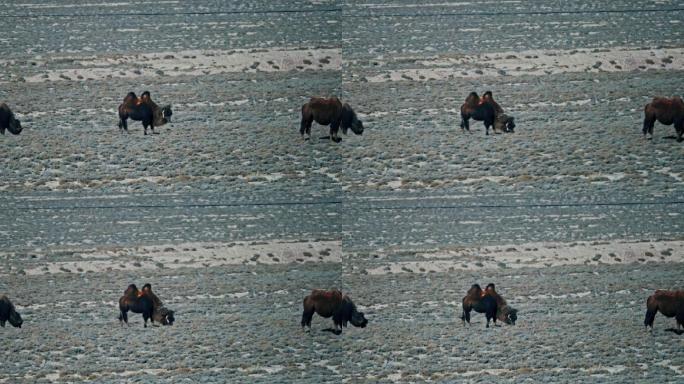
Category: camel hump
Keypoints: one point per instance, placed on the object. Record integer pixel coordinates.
(145, 98)
(662, 294)
(472, 99)
(130, 99)
(475, 291)
(324, 99)
(132, 290)
(323, 102)
(664, 102)
(326, 294)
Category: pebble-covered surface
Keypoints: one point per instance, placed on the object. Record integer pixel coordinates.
(234, 218)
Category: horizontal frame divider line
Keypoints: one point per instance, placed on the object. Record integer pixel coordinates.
(330, 10)
(196, 205)
(341, 202)
(179, 13)
(514, 13)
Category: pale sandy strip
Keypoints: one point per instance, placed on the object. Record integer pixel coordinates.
(536, 63)
(189, 63)
(190, 255)
(534, 255)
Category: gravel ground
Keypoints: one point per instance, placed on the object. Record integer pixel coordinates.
(234, 218)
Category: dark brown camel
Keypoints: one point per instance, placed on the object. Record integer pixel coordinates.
(133, 300)
(143, 109)
(329, 112)
(475, 300)
(667, 112)
(332, 303)
(669, 303)
(8, 121)
(488, 111)
(9, 313)
(477, 110)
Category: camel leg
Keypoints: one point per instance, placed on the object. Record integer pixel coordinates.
(123, 125)
(466, 315)
(302, 127)
(307, 315)
(490, 317)
(123, 316)
(308, 131)
(650, 317)
(305, 127)
(334, 129)
(465, 124)
(487, 124)
(679, 127)
(649, 122)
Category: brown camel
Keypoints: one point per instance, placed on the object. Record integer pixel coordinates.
(134, 301)
(669, 303)
(667, 112)
(9, 313)
(476, 300)
(332, 303)
(143, 109)
(8, 121)
(329, 112)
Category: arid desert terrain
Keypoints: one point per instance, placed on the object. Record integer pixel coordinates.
(234, 218)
